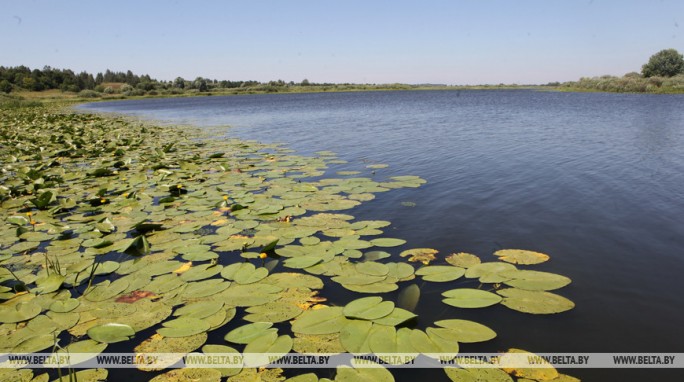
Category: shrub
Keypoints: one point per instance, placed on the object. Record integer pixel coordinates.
(666, 63)
(88, 94)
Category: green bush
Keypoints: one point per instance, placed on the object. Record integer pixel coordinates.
(88, 94)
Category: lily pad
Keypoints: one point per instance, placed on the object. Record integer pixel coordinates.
(534, 302)
(248, 333)
(440, 273)
(470, 298)
(20, 312)
(266, 348)
(408, 297)
(183, 327)
(387, 242)
(462, 259)
(467, 331)
(226, 351)
(542, 371)
(111, 333)
(320, 321)
(535, 280)
(368, 308)
(423, 255)
(521, 256)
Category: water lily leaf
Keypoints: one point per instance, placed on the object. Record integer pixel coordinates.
(466, 331)
(266, 348)
(248, 295)
(377, 287)
(387, 242)
(535, 280)
(401, 271)
(205, 288)
(372, 268)
(49, 284)
(18, 220)
(190, 374)
(440, 273)
(137, 247)
(134, 296)
(111, 333)
(408, 297)
(308, 377)
(358, 279)
(247, 274)
(20, 312)
(534, 302)
(64, 305)
(510, 360)
(317, 343)
(201, 272)
(470, 298)
(294, 280)
(521, 256)
(368, 308)
(226, 351)
(179, 346)
(248, 333)
(354, 336)
(397, 317)
(489, 272)
(320, 321)
(423, 255)
(366, 372)
(106, 290)
(472, 374)
(183, 327)
(462, 259)
(375, 255)
(35, 344)
(302, 262)
(199, 309)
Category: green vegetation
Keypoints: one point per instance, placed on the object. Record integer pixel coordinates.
(111, 228)
(664, 73)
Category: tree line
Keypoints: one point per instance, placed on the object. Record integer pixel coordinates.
(24, 78)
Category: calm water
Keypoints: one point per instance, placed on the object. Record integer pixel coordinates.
(594, 180)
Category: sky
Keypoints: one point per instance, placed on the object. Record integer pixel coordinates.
(457, 42)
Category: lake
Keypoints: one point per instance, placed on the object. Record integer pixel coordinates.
(594, 180)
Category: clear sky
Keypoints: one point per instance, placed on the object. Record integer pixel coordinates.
(427, 41)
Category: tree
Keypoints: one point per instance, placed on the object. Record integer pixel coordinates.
(5, 86)
(666, 63)
(179, 82)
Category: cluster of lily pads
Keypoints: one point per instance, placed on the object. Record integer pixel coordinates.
(111, 228)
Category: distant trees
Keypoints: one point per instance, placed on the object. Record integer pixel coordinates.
(666, 63)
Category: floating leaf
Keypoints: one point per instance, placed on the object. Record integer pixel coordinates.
(387, 242)
(534, 302)
(226, 351)
(408, 297)
(138, 247)
(535, 280)
(462, 259)
(267, 348)
(366, 372)
(440, 273)
(521, 256)
(466, 331)
(470, 298)
(423, 255)
(397, 317)
(199, 309)
(368, 308)
(183, 327)
(473, 374)
(247, 333)
(64, 306)
(318, 343)
(541, 370)
(111, 333)
(50, 283)
(190, 374)
(320, 321)
(20, 312)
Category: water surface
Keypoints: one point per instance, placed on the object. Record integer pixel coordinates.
(594, 180)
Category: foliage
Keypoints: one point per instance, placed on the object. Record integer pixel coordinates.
(666, 63)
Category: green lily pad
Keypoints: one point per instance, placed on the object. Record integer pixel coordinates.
(248, 333)
(49, 284)
(35, 344)
(462, 260)
(387, 242)
(20, 312)
(89, 375)
(199, 309)
(467, 331)
(205, 288)
(535, 280)
(368, 308)
(408, 297)
(320, 321)
(397, 317)
(183, 327)
(354, 336)
(64, 305)
(264, 349)
(226, 351)
(302, 262)
(201, 272)
(366, 372)
(534, 302)
(111, 333)
(472, 374)
(470, 298)
(521, 256)
(190, 374)
(106, 290)
(440, 273)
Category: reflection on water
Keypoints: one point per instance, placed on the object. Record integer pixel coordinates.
(594, 180)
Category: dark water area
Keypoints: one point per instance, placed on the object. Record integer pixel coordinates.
(594, 180)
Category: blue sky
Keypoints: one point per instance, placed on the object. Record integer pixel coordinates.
(451, 42)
